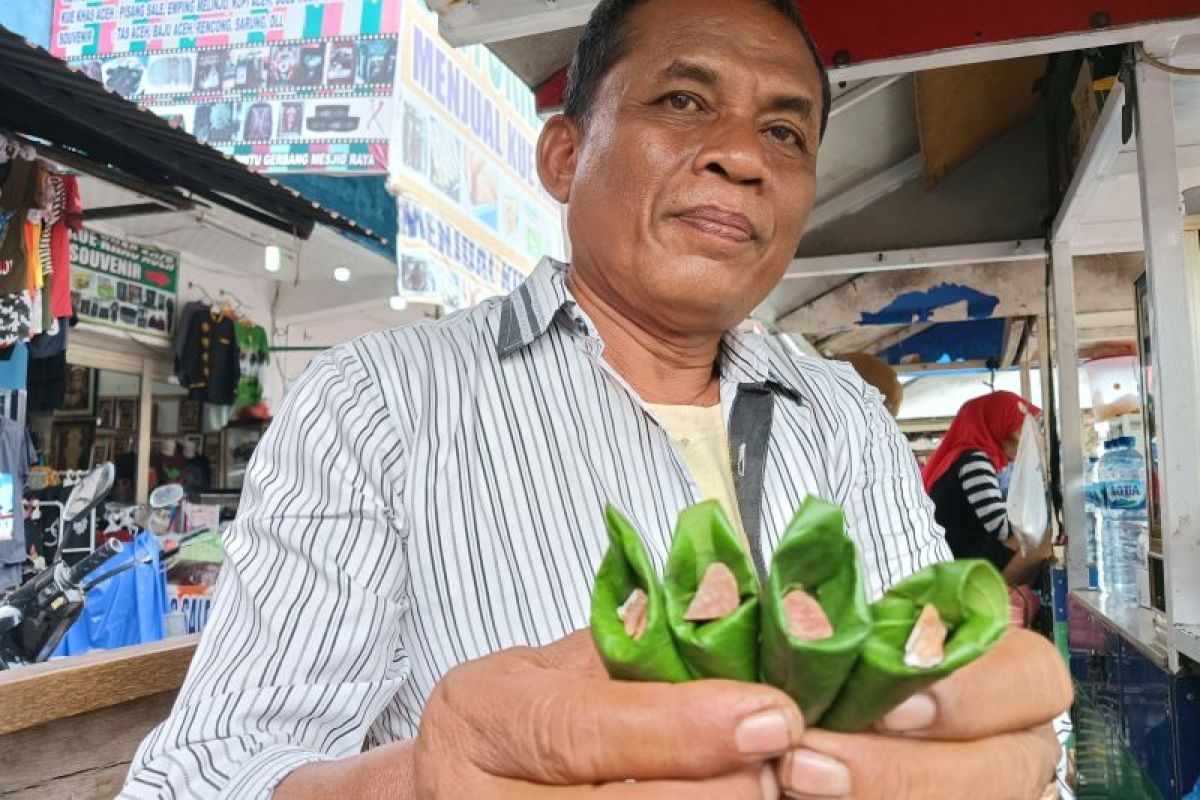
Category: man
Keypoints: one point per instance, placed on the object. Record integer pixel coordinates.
(878, 373)
(430, 496)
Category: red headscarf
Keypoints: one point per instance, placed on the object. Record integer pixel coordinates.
(981, 424)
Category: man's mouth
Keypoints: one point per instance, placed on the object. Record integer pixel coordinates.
(719, 222)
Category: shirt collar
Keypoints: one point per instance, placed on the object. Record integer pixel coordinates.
(529, 310)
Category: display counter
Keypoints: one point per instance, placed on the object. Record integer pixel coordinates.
(76, 722)
(1140, 716)
(1135, 625)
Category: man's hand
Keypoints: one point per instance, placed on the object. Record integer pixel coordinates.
(548, 723)
(982, 733)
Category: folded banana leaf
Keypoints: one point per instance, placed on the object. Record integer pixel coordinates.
(626, 567)
(815, 556)
(718, 648)
(972, 602)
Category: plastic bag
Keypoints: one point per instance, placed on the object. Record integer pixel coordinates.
(1028, 513)
(124, 610)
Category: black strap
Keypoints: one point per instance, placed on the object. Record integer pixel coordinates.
(749, 436)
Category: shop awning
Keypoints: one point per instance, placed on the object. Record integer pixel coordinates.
(85, 126)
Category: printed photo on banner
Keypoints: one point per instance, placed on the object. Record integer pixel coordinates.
(210, 71)
(340, 69)
(291, 119)
(124, 75)
(245, 69)
(445, 159)
(169, 73)
(377, 61)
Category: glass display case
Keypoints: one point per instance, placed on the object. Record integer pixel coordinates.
(235, 445)
(1144, 313)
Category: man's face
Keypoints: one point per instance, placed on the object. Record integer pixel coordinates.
(695, 175)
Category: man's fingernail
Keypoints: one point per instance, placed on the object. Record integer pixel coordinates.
(914, 714)
(766, 780)
(763, 734)
(814, 774)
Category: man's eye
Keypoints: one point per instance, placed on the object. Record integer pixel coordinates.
(680, 101)
(785, 135)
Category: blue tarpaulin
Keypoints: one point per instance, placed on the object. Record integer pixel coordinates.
(124, 610)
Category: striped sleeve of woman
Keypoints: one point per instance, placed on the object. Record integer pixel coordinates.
(962, 476)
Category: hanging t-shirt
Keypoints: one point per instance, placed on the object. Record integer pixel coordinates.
(254, 351)
(14, 366)
(16, 454)
(14, 317)
(209, 366)
(60, 247)
(18, 194)
(48, 383)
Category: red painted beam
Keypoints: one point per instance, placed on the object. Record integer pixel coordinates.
(870, 30)
(549, 96)
(854, 31)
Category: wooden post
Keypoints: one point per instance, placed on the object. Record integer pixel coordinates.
(145, 423)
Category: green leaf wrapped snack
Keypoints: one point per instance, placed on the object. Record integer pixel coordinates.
(814, 609)
(712, 596)
(925, 627)
(629, 619)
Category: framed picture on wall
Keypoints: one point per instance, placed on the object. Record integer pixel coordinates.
(212, 451)
(101, 451)
(71, 444)
(106, 413)
(80, 397)
(127, 414)
(189, 416)
(166, 417)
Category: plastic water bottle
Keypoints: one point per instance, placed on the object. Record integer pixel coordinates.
(1122, 474)
(1093, 505)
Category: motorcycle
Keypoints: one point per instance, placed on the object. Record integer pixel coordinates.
(35, 616)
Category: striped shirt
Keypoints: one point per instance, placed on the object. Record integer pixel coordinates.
(431, 494)
(981, 486)
(971, 509)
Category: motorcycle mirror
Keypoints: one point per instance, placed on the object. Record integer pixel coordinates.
(167, 496)
(89, 492)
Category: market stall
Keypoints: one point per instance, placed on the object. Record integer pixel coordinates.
(150, 290)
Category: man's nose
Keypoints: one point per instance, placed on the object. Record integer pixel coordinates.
(733, 149)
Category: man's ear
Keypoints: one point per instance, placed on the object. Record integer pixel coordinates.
(557, 154)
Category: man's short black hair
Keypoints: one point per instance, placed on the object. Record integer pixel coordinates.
(604, 42)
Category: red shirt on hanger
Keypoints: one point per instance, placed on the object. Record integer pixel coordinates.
(60, 249)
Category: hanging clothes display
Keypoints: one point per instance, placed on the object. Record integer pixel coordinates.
(16, 456)
(71, 219)
(208, 357)
(39, 206)
(47, 371)
(19, 193)
(254, 349)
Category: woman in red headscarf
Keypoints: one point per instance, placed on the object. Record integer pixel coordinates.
(962, 478)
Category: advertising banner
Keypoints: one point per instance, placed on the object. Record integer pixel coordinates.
(474, 218)
(283, 85)
(124, 285)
